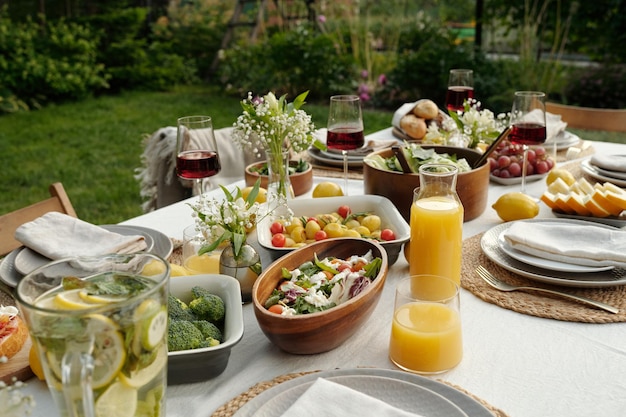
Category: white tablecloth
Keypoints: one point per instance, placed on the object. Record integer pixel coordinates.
(524, 365)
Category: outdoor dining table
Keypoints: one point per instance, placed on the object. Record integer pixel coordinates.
(522, 364)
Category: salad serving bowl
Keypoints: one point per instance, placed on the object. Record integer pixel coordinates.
(320, 331)
(471, 186)
(382, 206)
(194, 365)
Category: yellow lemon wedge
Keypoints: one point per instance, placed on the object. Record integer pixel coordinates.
(35, 363)
(71, 300)
(516, 206)
(152, 268)
(178, 271)
(109, 352)
(118, 400)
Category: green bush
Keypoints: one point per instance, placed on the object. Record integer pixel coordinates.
(601, 87)
(289, 62)
(44, 62)
(132, 60)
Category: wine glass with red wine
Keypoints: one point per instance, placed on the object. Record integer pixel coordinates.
(528, 124)
(460, 88)
(345, 128)
(197, 158)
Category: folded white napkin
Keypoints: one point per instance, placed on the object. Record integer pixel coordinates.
(327, 398)
(609, 162)
(570, 243)
(57, 235)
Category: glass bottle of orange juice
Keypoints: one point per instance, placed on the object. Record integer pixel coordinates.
(436, 224)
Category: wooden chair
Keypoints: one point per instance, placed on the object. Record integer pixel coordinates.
(59, 201)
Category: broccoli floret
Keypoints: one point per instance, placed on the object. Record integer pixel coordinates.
(183, 335)
(208, 307)
(210, 343)
(178, 310)
(208, 330)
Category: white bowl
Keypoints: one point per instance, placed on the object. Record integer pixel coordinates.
(381, 206)
(193, 365)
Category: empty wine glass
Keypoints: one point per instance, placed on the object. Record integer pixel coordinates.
(460, 88)
(528, 124)
(197, 157)
(345, 128)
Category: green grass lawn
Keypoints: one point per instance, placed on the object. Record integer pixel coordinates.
(93, 146)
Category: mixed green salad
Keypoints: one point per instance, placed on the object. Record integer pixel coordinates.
(322, 284)
(417, 156)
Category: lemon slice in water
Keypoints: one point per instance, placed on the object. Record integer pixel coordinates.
(144, 375)
(71, 300)
(118, 400)
(109, 353)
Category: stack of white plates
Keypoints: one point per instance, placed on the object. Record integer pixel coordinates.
(552, 272)
(23, 260)
(603, 173)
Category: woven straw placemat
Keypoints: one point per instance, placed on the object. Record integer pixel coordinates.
(240, 400)
(537, 304)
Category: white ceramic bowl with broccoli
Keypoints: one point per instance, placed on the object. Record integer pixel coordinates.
(202, 330)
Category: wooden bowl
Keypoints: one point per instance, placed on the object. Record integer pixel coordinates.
(301, 182)
(322, 331)
(472, 186)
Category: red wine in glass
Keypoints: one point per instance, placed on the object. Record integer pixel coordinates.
(345, 138)
(456, 96)
(527, 134)
(197, 164)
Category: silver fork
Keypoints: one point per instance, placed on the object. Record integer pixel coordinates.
(503, 286)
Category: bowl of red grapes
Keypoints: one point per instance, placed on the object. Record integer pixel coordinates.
(506, 162)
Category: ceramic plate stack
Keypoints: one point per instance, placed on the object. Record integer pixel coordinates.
(544, 270)
(608, 169)
(335, 158)
(23, 260)
(564, 140)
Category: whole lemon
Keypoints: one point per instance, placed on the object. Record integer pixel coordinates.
(327, 189)
(261, 197)
(516, 206)
(564, 174)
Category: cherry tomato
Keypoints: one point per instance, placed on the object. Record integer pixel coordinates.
(320, 235)
(276, 308)
(344, 211)
(278, 240)
(313, 219)
(387, 234)
(277, 227)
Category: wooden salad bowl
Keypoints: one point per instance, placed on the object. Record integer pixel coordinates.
(322, 331)
(472, 186)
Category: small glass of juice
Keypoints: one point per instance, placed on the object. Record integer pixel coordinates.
(207, 263)
(426, 335)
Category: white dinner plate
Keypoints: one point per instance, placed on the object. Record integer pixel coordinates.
(490, 246)
(28, 260)
(161, 245)
(611, 221)
(564, 140)
(403, 390)
(546, 263)
(8, 273)
(593, 172)
(611, 174)
(317, 155)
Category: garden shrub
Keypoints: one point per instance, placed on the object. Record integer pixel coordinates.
(40, 63)
(601, 87)
(289, 62)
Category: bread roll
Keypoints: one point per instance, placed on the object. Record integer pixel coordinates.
(13, 334)
(413, 126)
(426, 109)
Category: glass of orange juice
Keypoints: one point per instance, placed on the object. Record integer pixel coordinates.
(207, 263)
(426, 335)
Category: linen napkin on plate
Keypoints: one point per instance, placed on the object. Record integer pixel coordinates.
(57, 235)
(570, 243)
(327, 398)
(609, 162)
